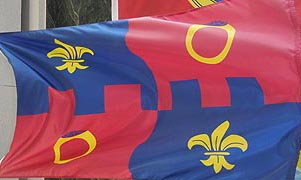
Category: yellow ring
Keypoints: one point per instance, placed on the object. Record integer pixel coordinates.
(213, 60)
(199, 3)
(87, 136)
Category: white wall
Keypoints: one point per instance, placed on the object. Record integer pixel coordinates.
(10, 15)
(33, 15)
(8, 105)
(15, 15)
(10, 20)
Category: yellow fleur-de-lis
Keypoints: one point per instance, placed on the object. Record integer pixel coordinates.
(72, 56)
(218, 145)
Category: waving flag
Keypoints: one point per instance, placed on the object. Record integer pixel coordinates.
(213, 93)
(137, 8)
(298, 11)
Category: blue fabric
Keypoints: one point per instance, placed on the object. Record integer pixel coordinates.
(27, 53)
(276, 127)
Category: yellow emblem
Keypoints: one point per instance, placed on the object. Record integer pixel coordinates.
(299, 162)
(87, 136)
(193, 29)
(72, 56)
(200, 3)
(217, 147)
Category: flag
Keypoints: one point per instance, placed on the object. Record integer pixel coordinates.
(298, 172)
(213, 93)
(298, 11)
(298, 15)
(137, 8)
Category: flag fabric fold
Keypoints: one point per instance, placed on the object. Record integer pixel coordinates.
(213, 93)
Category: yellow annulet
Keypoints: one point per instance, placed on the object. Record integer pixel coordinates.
(217, 146)
(72, 56)
(200, 3)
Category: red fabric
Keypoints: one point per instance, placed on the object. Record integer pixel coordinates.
(256, 51)
(298, 10)
(113, 152)
(263, 48)
(138, 8)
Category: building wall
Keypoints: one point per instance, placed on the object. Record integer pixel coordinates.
(10, 15)
(10, 18)
(15, 15)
